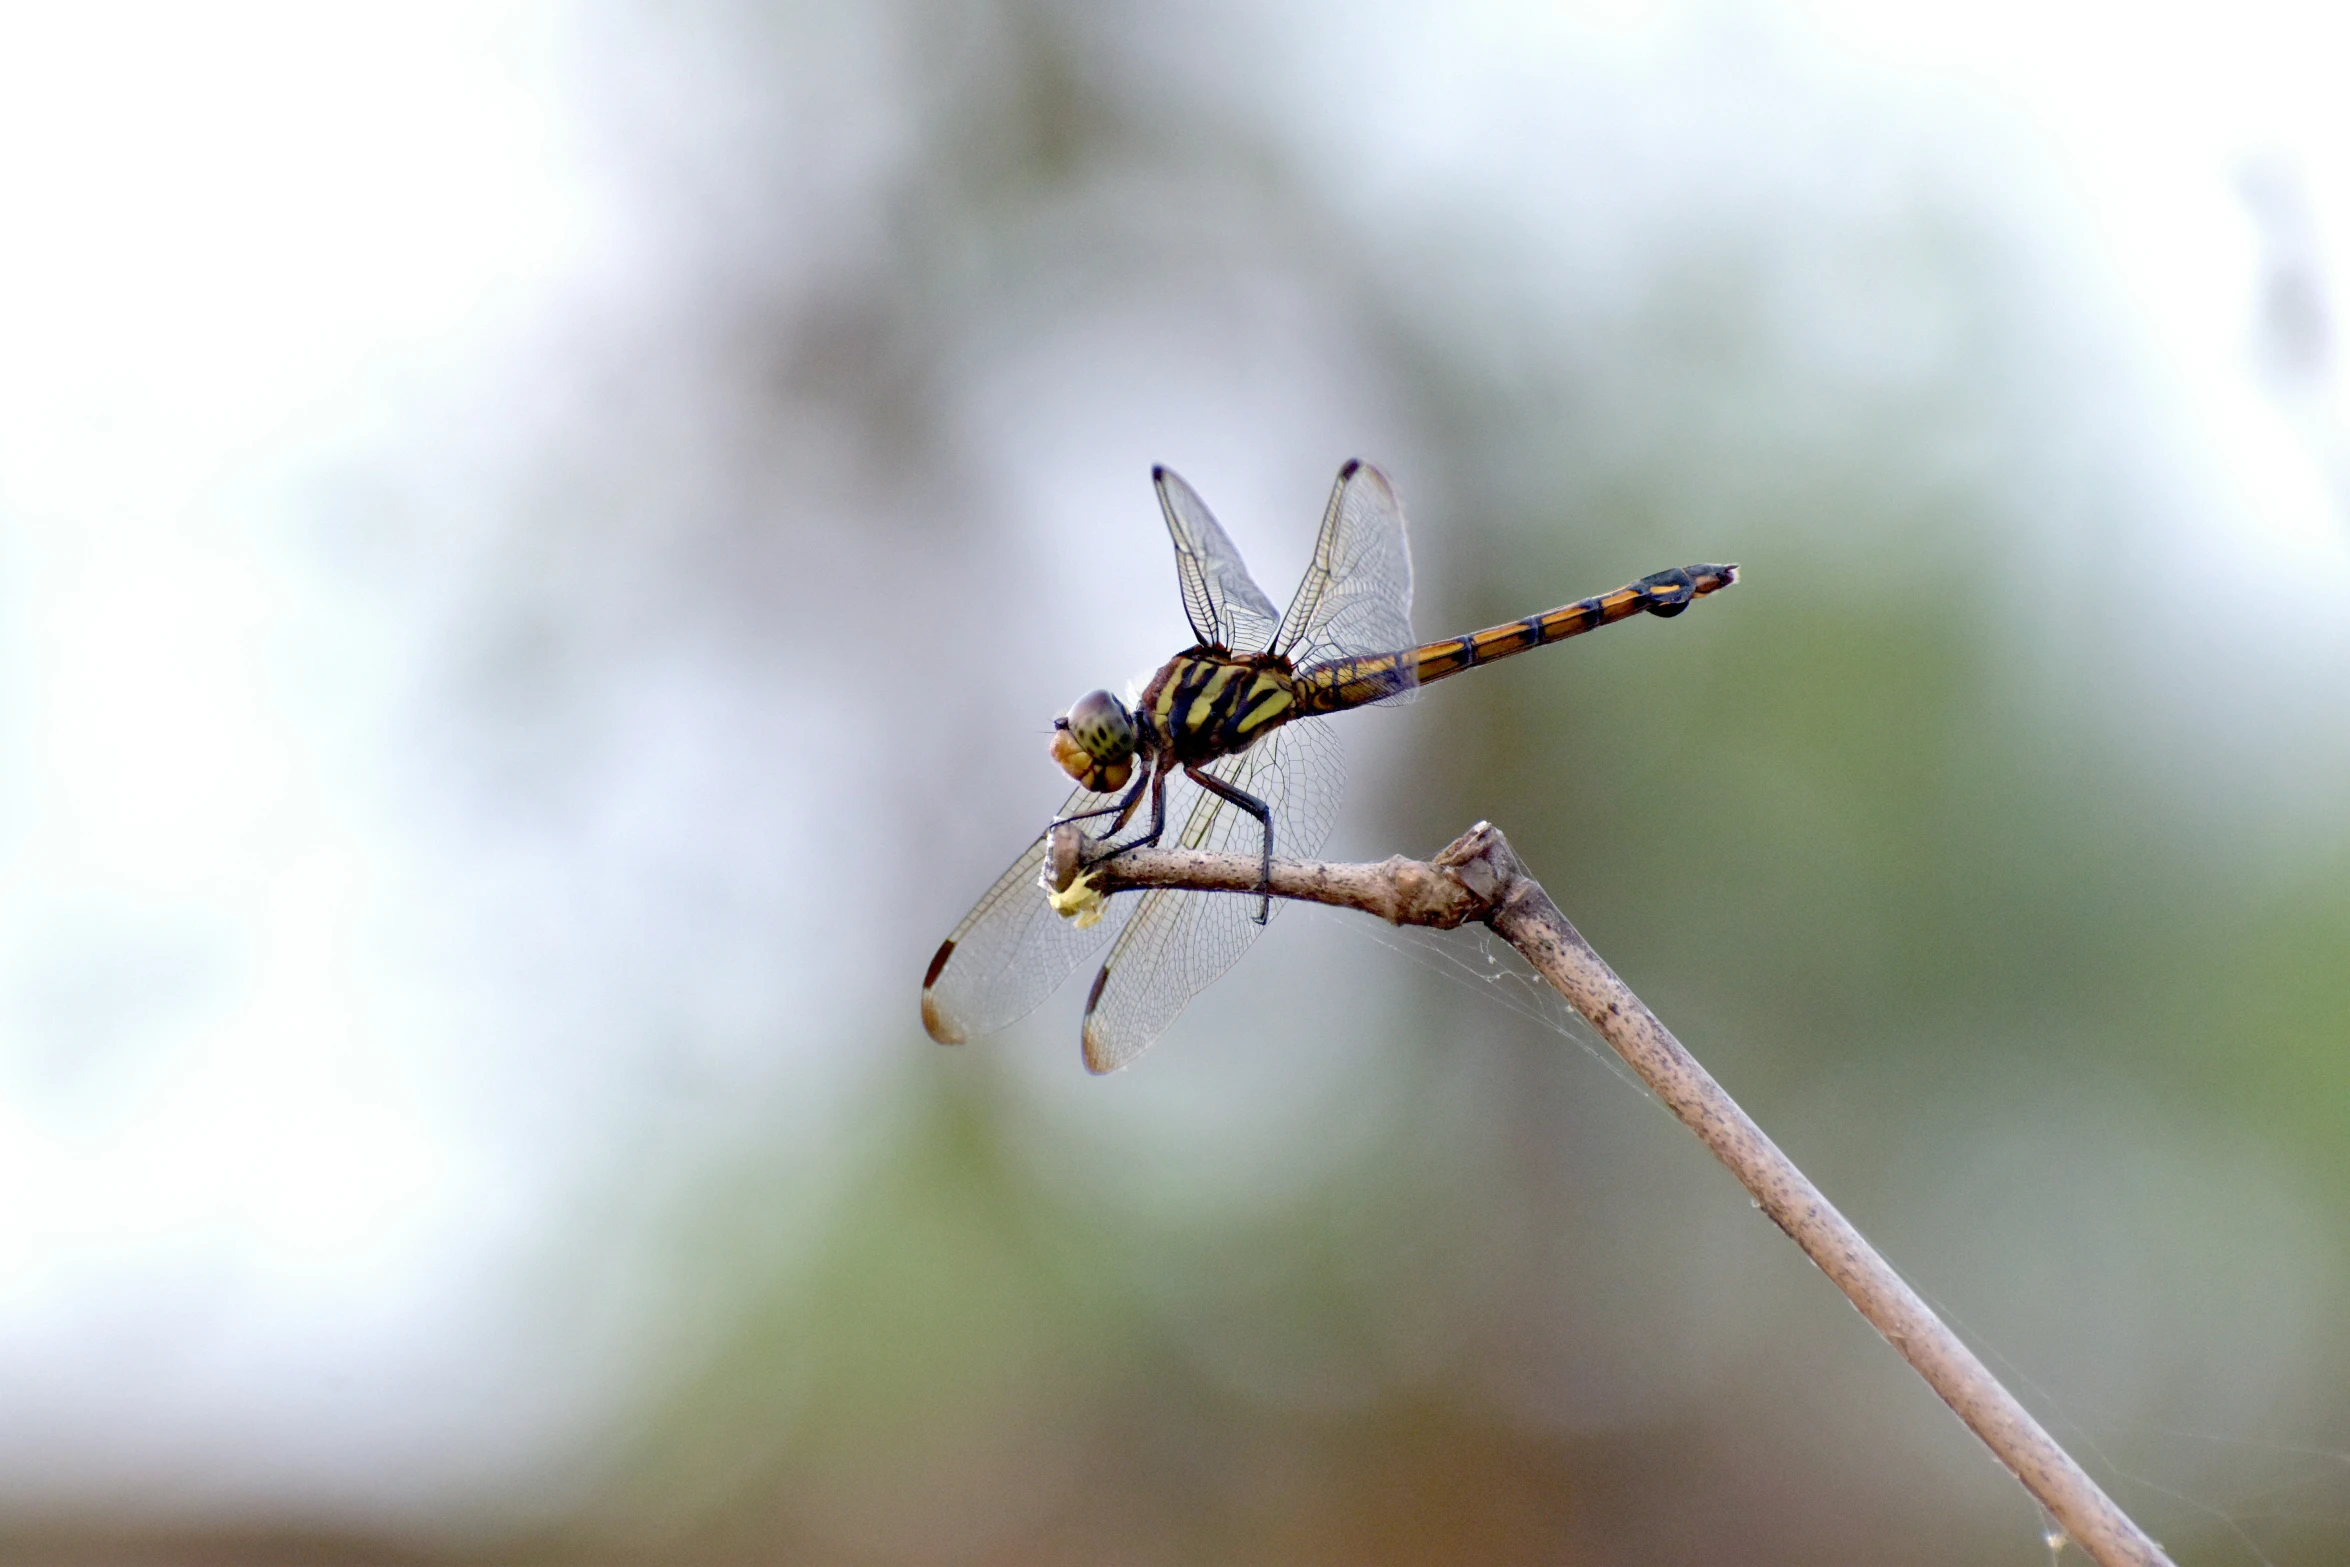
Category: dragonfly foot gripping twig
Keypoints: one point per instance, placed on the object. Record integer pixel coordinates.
(1478, 878)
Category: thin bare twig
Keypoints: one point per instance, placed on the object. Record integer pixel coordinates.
(1477, 877)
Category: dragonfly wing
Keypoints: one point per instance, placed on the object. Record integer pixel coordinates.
(1226, 607)
(1012, 950)
(1177, 942)
(1357, 594)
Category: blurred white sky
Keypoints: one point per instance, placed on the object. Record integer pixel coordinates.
(263, 1161)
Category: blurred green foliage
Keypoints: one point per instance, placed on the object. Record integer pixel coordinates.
(2064, 1038)
(1832, 827)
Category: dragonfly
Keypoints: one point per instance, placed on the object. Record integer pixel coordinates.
(1230, 740)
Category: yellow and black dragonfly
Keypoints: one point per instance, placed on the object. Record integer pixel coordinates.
(1229, 739)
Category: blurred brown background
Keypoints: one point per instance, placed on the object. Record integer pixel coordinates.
(538, 550)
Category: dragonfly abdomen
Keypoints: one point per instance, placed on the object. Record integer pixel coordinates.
(1352, 682)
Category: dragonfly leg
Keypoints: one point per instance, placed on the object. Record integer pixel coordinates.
(1158, 781)
(1124, 809)
(1264, 815)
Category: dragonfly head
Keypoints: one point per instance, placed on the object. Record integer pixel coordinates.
(1095, 743)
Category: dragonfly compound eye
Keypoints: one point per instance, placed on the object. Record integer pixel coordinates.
(1095, 743)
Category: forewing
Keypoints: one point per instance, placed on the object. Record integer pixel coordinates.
(1226, 607)
(1357, 594)
(1012, 950)
(1177, 942)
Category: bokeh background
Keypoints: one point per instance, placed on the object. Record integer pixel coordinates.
(538, 549)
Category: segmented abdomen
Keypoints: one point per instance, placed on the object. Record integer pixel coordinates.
(1351, 682)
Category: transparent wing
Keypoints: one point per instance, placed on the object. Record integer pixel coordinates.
(1176, 943)
(1012, 950)
(1226, 607)
(1357, 594)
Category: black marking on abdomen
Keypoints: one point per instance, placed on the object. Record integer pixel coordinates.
(1344, 683)
(1665, 594)
(1459, 654)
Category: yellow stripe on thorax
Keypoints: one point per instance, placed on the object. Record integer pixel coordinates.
(1266, 702)
(1211, 706)
(1200, 711)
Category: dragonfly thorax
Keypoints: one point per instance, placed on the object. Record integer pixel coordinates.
(1095, 742)
(1207, 703)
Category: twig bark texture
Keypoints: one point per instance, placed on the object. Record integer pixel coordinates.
(1478, 878)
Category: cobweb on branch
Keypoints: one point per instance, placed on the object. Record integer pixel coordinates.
(2212, 1496)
